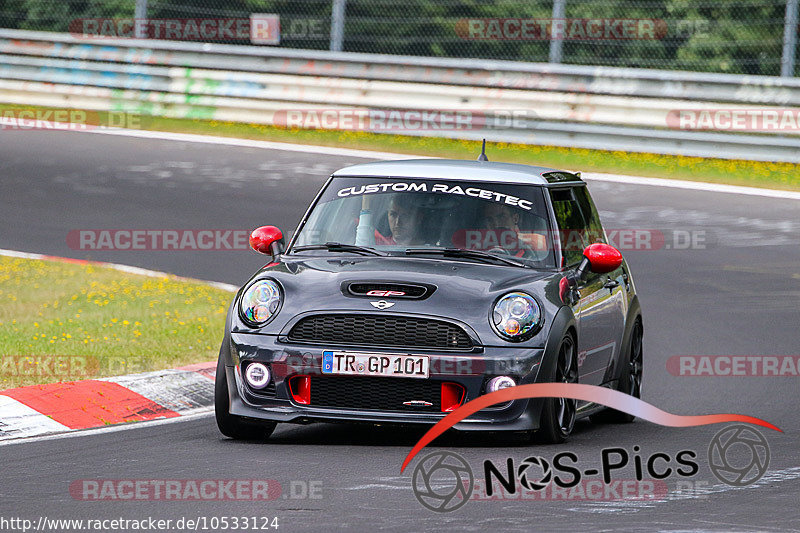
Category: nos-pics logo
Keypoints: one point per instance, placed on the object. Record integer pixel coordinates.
(443, 481)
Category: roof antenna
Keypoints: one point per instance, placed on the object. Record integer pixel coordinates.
(483, 157)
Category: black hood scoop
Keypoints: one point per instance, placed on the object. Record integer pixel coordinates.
(387, 289)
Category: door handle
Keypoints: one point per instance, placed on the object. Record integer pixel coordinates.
(610, 284)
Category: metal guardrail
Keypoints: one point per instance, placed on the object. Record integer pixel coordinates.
(562, 105)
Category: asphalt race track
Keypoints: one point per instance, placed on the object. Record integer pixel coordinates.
(738, 294)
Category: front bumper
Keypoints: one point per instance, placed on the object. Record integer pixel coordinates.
(470, 370)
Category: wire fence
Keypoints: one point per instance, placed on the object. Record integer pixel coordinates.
(729, 36)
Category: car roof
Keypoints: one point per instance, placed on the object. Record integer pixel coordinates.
(459, 170)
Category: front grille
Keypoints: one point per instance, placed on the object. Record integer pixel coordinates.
(375, 393)
(381, 330)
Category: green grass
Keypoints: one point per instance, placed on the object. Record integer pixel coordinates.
(65, 321)
(785, 176)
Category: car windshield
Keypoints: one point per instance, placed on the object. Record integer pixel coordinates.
(418, 217)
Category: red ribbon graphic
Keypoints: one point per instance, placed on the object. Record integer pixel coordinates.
(590, 393)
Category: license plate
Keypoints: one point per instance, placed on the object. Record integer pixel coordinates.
(375, 364)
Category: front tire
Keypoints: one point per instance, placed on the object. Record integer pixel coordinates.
(559, 414)
(630, 382)
(233, 426)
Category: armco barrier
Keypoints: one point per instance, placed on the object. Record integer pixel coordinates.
(562, 105)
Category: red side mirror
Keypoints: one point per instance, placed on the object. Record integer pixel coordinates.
(267, 240)
(602, 258)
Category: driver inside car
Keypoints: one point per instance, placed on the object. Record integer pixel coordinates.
(405, 222)
(503, 221)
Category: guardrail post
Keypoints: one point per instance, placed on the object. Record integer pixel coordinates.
(557, 45)
(337, 25)
(140, 15)
(789, 39)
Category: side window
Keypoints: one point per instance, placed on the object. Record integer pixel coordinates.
(595, 228)
(571, 224)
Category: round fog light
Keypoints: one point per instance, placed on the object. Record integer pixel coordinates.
(500, 383)
(257, 375)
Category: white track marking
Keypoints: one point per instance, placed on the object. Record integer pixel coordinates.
(122, 268)
(189, 415)
(176, 390)
(251, 143)
(18, 420)
(691, 185)
(772, 477)
(368, 154)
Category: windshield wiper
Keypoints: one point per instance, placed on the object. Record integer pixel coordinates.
(339, 247)
(470, 254)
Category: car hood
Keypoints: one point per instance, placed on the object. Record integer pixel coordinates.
(465, 291)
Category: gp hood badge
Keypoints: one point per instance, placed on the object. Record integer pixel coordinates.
(382, 304)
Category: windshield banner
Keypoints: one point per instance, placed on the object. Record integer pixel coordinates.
(443, 188)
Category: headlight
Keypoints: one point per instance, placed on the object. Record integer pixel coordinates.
(260, 302)
(516, 316)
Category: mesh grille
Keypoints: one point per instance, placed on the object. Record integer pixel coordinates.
(380, 330)
(382, 394)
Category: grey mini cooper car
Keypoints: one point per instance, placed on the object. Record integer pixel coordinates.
(412, 287)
